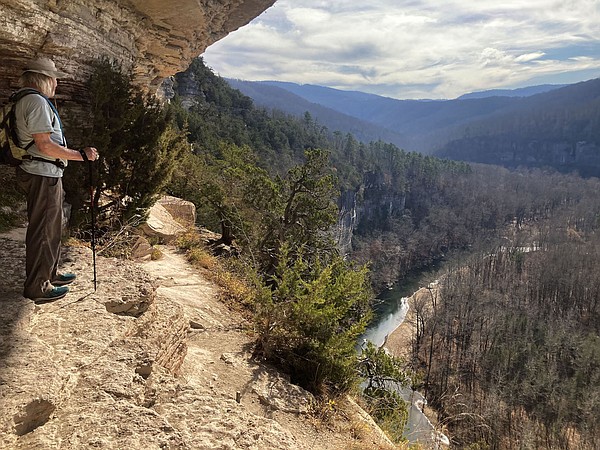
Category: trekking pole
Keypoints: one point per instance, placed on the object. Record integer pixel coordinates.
(93, 223)
(90, 176)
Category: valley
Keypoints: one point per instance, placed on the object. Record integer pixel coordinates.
(542, 126)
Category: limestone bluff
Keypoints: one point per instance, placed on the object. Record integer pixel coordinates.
(153, 38)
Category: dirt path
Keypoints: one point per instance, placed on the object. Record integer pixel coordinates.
(220, 358)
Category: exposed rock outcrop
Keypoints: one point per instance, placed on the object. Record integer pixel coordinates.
(183, 211)
(180, 375)
(372, 202)
(153, 38)
(168, 218)
(161, 224)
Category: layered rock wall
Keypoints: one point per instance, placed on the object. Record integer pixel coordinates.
(153, 38)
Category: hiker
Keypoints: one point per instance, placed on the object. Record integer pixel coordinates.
(37, 121)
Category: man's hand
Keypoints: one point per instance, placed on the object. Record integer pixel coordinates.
(91, 153)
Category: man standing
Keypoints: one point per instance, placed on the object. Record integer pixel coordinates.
(39, 126)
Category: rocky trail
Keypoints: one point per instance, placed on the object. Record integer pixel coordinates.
(152, 359)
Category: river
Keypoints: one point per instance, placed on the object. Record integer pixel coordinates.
(390, 311)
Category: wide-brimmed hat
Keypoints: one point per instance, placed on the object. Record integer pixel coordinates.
(44, 66)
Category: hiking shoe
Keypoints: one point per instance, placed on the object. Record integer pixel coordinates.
(50, 293)
(63, 279)
(53, 294)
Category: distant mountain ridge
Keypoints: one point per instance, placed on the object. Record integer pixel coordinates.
(519, 92)
(404, 119)
(412, 121)
(272, 96)
(546, 125)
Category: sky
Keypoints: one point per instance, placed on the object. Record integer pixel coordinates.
(420, 49)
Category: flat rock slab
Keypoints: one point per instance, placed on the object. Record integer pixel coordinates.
(173, 371)
(76, 373)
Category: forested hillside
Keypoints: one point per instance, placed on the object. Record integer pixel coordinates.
(510, 343)
(521, 247)
(559, 129)
(556, 127)
(273, 97)
(385, 184)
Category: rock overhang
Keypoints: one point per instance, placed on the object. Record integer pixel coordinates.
(153, 38)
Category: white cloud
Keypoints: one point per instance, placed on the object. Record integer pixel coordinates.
(413, 48)
(529, 57)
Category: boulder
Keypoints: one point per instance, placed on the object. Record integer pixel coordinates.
(181, 210)
(141, 249)
(161, 224)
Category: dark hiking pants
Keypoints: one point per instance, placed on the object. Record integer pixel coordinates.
(44, 212)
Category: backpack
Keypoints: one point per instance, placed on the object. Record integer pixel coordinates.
(11, 151)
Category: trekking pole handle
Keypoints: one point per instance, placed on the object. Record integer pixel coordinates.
(88, 154)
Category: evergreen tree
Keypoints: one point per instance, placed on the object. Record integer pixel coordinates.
(309, 318)
(139, 146)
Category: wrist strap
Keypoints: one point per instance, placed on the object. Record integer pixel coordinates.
(83, 155)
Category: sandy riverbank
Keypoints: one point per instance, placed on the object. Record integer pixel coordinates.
(422, 426)
(400, 341)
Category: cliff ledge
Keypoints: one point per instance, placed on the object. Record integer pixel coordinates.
(153, 38)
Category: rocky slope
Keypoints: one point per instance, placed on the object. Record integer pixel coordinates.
(153, 38)
(150, 360)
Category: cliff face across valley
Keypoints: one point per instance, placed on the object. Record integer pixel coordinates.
(153, 38)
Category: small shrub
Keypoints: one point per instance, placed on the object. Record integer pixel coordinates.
(385, 375)
(309, 319)
(389, 411)
(188, 240)
(201, 258)
(156, 254)
(235, 287)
